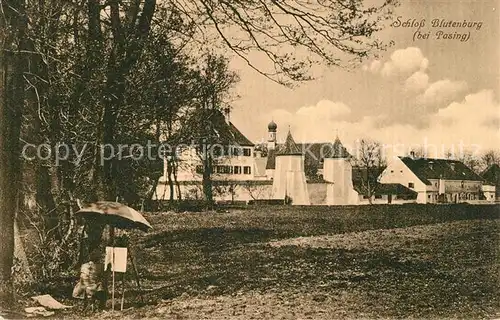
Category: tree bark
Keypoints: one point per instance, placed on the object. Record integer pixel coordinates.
(207, 178)
(12, 66)
(171, 186)
(177, 184)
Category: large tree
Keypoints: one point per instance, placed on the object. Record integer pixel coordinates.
(12, 66)
(370, 162)
(82, 55)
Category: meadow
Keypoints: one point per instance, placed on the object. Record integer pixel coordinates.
(277, 262)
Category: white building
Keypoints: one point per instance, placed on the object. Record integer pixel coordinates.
(436, 180)
(289, 179)
(316, 173)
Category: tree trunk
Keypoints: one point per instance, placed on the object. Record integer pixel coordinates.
(178, 186)
(12, 66)
(171, 186)
(207, 178)
(45, 201)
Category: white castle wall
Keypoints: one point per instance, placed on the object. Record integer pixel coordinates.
(338, 174)
(290, 179)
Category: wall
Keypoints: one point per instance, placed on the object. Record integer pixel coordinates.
(189, 160)
(398, 172)
(245, 192)
(384, 199)
(454, 190)
(289, 179)
(489, 192)
(317, 193)
(338, 172)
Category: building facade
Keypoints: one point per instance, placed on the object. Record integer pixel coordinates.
(316, 173)
(436, 180)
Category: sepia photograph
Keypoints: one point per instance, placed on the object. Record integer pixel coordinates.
(249, 159)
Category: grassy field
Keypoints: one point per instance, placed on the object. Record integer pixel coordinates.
(320, 263)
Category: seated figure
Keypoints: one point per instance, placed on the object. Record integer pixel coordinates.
(90, 287)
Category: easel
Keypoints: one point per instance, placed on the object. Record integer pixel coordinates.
(112, 264)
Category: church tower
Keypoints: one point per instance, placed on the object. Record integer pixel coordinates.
(337, 172)
(271, 135)
(289, 182)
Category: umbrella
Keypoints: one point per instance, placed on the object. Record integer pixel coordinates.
(115, 214)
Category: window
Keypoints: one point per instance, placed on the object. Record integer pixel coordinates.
(199, 169)
(392, 171)
(224, 169)
(236, 151)
(462, 184)
(429, 196)
(247, 152)
(378, 196)
(237, 170)
(247, 170)
(411, 185)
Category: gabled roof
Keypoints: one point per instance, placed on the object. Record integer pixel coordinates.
(387, 189)
(314, 153)
(239, 137)
(289, 148)
(338, 151)
(211, 125)
(360, 174)
(426, 168)
(492, 174)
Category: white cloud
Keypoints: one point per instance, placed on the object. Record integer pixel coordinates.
(441, 91)
(325, 109)
(476, 109)
(311, 122)
(459, 125)
(406, 60)
(417, 81)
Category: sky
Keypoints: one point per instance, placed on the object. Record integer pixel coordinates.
(439, 93)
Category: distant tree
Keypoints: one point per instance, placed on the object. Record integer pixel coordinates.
(419, 153)
(369, 158)
(255, 190)
(471, 159)
(79, 87)
(489, 158)
(203, 124)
